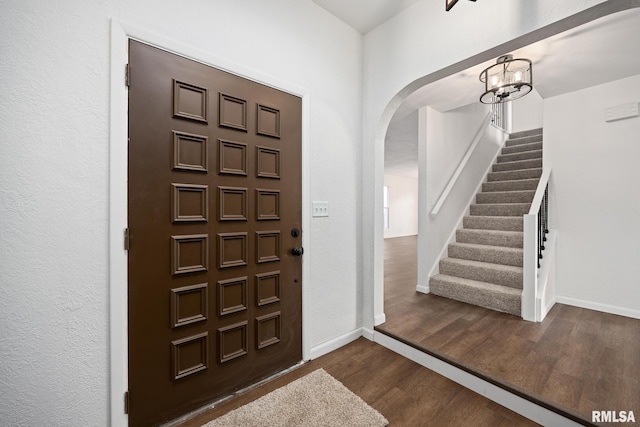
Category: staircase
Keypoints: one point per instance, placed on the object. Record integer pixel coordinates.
(484, 265)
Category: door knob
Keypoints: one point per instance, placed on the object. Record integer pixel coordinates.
(297, 251)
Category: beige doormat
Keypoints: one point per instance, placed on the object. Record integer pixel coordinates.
(315, 400)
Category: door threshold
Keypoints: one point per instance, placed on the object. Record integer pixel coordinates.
(218, 402)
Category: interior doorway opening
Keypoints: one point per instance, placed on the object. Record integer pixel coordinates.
(400, 205)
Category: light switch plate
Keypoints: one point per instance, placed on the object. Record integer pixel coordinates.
(320, 209)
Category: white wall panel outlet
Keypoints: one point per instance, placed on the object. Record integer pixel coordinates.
(320, 209)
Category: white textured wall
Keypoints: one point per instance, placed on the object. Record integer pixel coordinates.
(54, 163)
(527, 112)
(421, 40)
(449, 136)
(594, 202)
(403, 206)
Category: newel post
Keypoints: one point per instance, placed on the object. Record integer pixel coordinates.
(530, 268)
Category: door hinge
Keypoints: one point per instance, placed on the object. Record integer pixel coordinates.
(127, 239)
(127, 75)
(126, 402)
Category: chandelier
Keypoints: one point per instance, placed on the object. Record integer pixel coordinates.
(507, 80)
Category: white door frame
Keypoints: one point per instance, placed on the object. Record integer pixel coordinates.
(121, 33)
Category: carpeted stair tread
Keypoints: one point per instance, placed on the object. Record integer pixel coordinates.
(504, 275)
(531, 146)
(494, 297)
(504, 223)
(523, 155)
(517, 165)
(530, 132)
(484, 264)
(511, 185)
(523, 140)
(514, 174)
(500, 209)
(483, 253)
(509, 239)
(525, 196)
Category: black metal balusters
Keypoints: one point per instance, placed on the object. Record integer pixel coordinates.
(543, 223)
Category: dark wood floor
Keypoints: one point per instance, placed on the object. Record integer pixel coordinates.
(404, 392)
(582, 360)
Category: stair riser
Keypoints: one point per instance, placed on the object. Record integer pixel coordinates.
(514, 175)
(517, 165)
(525, 155)
(523, 147)
(505, 197)
(514, 209)
(520, 185)
(487, 238)
(487, 254)
(491, 300)
(523, 140)
(482, 274)
(513, 223)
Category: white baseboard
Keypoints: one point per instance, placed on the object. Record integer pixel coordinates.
(379, 319)
(422, 289)
(335, 343)
(368, 333)
(546, 308)
(605, 308)
(524, 407)
(401, 235)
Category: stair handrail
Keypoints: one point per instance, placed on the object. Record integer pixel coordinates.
(540, 191)
(535, 224)
(463, 163)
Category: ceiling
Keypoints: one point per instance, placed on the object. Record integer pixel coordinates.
(595, 53)
(364, 15)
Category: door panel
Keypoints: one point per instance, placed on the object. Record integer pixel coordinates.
(214, 192)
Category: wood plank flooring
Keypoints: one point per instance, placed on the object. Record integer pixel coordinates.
(406, 393)
(579, 359)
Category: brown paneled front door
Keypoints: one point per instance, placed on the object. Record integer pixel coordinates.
(214, 217)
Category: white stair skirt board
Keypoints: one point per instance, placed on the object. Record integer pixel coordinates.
(524, 407)
(422, 289)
